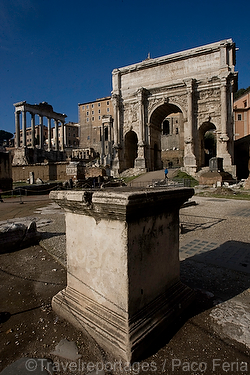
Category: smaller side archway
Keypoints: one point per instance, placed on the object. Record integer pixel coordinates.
(207, 143)
(131, 149)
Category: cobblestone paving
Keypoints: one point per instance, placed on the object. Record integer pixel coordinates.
(245, 212)
(233, 255)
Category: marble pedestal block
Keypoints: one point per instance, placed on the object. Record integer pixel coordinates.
(123, 271)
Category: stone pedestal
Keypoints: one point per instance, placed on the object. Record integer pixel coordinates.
(216, 164)
(123, 270)
(20, 156)
(75, 170)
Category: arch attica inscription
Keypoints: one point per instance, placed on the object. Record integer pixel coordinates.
(197, 84)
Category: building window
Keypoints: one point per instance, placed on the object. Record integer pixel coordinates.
(92, 105)
(88, 137)
(239, 117)
(99, 104)
(93, 112)
(107, 103)
(107, 109)
(87, 119)
(87, 113)
(93, 119)
(99, 111)
(245, 103)
(83, 107)
(87, 107)
(165, 127)
(99, 117)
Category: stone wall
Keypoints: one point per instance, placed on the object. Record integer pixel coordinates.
(5, 171)
(45, 171)
(172, 158)
(94, 172)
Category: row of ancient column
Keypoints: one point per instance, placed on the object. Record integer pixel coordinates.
(41, 131)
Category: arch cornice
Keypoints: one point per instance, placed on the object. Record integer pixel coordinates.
(155, 103)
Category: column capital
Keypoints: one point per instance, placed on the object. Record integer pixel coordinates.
(142, 94)
(223, 81)
(116, 99)
(190, 84)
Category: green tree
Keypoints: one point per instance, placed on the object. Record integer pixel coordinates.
(241, 92)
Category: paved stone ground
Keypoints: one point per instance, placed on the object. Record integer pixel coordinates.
(221, 228)
(147, 178)
(214, 253)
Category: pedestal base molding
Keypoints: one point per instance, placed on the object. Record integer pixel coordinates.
(122, 336)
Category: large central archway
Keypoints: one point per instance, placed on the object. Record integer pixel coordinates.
(166, 125)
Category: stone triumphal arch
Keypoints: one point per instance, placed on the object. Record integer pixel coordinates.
(197, 84)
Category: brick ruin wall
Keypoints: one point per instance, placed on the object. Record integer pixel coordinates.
(47, 172)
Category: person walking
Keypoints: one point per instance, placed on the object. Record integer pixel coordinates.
(166, 173)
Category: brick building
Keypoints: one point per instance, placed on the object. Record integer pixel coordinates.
(28, 135)
(71, 135)
(96, 127)
(242, 116)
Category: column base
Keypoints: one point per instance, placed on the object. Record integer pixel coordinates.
(20, 156)
(140, 163)
(122, 336)
(190, 165)
(115, 167)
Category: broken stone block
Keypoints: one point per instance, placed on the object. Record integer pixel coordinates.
(18, 235)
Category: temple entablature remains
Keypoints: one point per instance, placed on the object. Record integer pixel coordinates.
(42, 110)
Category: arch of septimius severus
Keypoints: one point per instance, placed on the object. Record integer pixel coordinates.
(197, 83)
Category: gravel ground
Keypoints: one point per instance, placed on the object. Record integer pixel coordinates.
(213, 328)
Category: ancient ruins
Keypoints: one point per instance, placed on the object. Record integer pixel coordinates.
(123, 288)
(159, 114)
(198, 84)
(31, 152)
(42, 110)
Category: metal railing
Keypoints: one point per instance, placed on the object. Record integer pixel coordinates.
(181, 182)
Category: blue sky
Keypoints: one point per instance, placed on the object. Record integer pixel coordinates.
(63, 52)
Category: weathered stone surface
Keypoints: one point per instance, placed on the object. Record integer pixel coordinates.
(24, 366)
(211, 178)
(232, 319)
(16, 235)
(196, 84)
(66, 349)
(123, 282)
